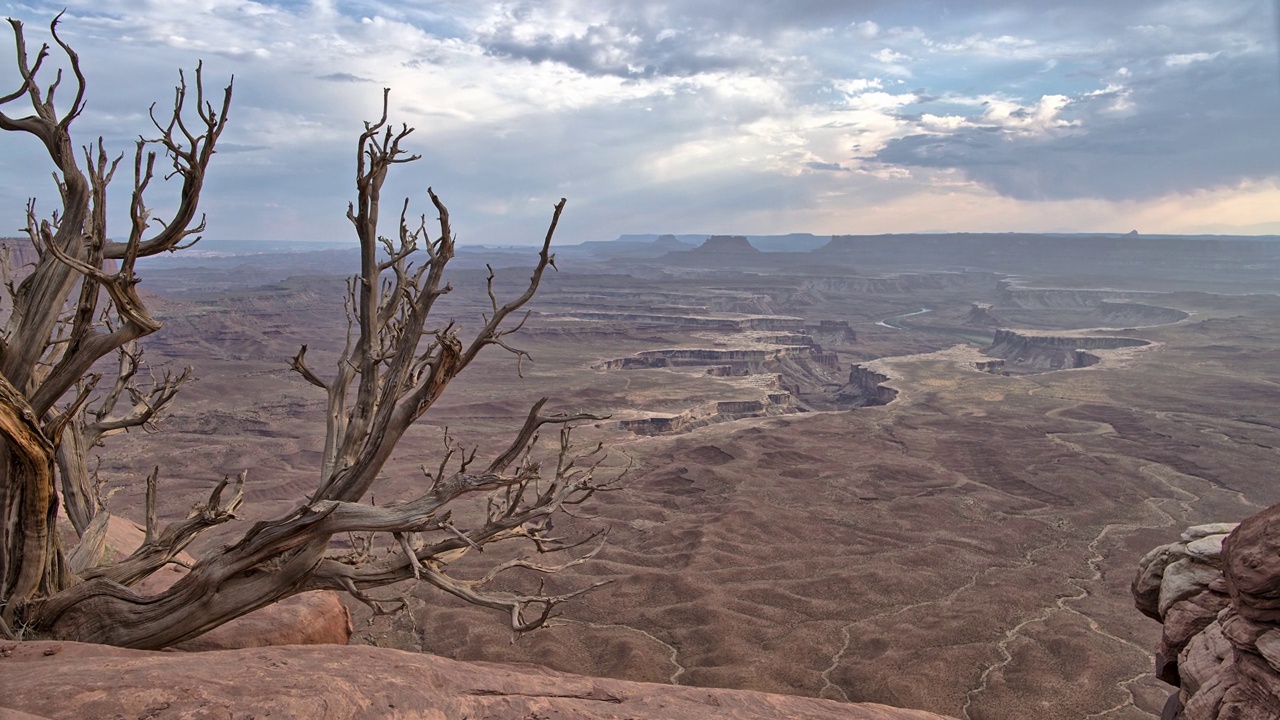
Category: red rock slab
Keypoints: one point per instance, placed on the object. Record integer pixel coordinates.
(74, 680)
(311, 618)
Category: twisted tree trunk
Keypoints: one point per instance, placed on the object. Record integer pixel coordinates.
(395, 365)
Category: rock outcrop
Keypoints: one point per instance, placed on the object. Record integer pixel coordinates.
(833, 331)
(1053, 352)
(1218, 597)
(774, 403)
(980, 315)
(864, 389)
(993, 367)
(74, 680)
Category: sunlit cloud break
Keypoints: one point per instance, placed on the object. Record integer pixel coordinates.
(707, 117)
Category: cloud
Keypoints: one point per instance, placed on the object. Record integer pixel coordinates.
(344, 77)
(1136, 139)
(814, 165)
(693, 111)
(623, 48)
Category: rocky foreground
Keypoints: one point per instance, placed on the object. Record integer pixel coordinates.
(1217, 593)
(331, 682)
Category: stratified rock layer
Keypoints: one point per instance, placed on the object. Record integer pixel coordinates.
(73, 680)
(1218, 596)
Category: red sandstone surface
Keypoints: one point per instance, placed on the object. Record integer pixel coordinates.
(74, 680)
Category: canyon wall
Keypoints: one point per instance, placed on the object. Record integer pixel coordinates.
(1052, 352)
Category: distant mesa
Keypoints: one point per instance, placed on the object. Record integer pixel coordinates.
(1133, 232)
(1044, 353)
(727, 244)
(669, 242)
(980, 315)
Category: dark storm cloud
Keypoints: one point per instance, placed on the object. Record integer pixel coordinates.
(826, 166)
(631, 52)
(636, 39)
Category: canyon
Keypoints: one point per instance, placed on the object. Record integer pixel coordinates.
(825, 493)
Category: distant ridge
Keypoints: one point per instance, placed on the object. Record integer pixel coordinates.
(727, 244)
(792, 242)
(1057, 254)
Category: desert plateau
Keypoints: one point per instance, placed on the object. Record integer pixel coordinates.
(853, 475)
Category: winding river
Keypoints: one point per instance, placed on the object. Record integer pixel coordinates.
(886, 323)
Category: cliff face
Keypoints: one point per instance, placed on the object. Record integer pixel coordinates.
(1052, 352)
(1217, 593)
(864, 388)
(742, 361)
(980, 315)
(774, 403)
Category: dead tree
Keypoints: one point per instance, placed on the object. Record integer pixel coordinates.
(398, 360)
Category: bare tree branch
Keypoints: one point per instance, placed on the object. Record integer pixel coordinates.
(80, 304)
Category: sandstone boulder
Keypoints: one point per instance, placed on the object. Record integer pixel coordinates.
(1217, 593)
(73, 680)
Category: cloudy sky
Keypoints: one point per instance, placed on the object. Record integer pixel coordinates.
(730, 116)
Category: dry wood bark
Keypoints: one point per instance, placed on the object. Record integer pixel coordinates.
(79, 304)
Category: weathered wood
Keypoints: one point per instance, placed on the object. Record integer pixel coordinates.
(56, 327)
(392, 370)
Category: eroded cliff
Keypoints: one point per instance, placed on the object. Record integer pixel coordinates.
(1042, 353)
(1217, 593)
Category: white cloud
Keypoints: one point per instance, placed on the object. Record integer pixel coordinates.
(1003, 46)
(944, 122)
(854, 86)
(867, 29)
(1184, 59)
(889, 56)
(622, 102)
(1044, 117)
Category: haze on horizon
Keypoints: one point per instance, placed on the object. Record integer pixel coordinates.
(814, 116)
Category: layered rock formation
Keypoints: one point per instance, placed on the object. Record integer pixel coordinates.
(864, 389)
(1218, 597)
(74, 680)
(980, 315)
(774, 403)
(733, 244)
(1053, 352)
